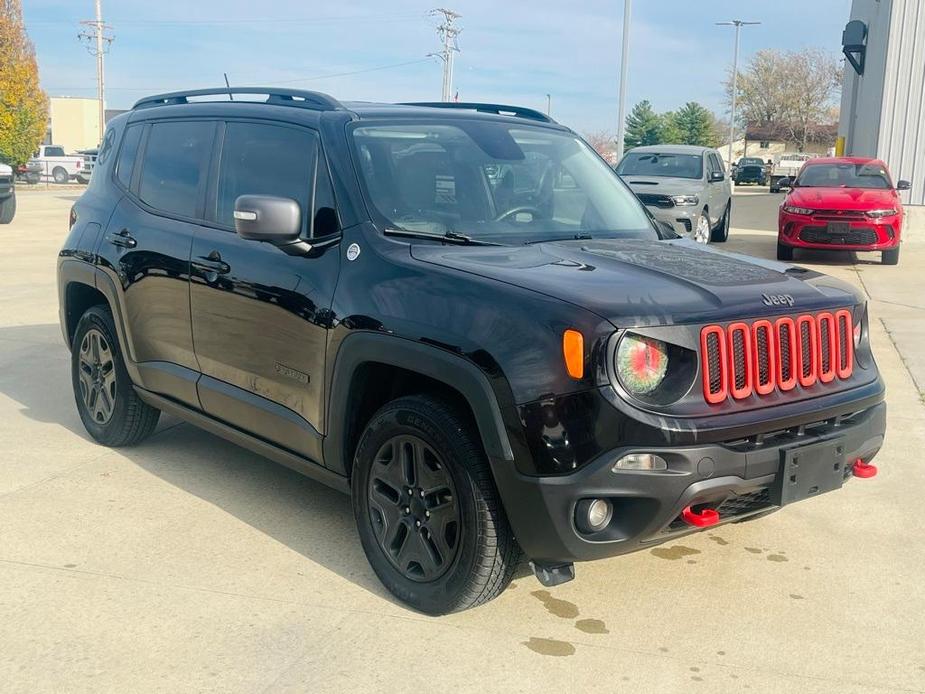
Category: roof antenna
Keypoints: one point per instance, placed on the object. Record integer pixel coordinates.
(230, 95)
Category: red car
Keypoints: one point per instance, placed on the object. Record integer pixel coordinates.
(844, 203)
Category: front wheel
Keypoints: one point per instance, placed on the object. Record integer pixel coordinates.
(890, 257)
(109, 407)
(8, 210)
(721, 233)
(701, 232)
(429, 517)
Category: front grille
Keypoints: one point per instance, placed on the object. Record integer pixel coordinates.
(761, 357)
(740, 504)
(838, 215)
(853, 237)
(656, 200)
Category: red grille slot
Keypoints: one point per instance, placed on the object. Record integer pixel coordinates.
(761, 357)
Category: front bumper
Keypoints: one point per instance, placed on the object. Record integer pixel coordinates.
(682, 217)
(804, 231)
(736, 477)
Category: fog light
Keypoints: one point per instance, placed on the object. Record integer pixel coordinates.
(640, 461)
(593, 515)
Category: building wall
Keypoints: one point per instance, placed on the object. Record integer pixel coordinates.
(74, 122)
(881, 110)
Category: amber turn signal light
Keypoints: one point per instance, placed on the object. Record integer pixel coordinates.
(573, 349)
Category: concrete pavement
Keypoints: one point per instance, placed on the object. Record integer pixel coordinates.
(188, 564)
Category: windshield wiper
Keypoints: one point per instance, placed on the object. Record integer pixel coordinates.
(573, 237)
(447, 237)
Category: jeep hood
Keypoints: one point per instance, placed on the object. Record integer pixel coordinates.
(640, 283)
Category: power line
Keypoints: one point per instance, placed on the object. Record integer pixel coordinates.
(448, 32)
(98, 36)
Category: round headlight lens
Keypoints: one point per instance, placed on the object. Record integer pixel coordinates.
(642, 363)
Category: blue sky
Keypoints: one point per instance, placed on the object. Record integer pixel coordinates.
(511, 51)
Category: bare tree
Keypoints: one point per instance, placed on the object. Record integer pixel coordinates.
(603, 143)
(794, 91)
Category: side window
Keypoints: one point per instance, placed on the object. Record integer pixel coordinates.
(262, 159)
(175, 163)
(324, 218)
(128, 154)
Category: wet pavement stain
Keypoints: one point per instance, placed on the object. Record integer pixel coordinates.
(675, 552)
(777, 557)
(592, 626)
(718, 540)
(663, 649)
(691, 561)
(796, 597)
(697, 679)
(70, 566)
(695, 669)
(551, 647)
(720, 652)
(754, 550)
(560, 608)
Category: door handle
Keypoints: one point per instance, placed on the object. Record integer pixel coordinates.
(123, 239)
(211, 263)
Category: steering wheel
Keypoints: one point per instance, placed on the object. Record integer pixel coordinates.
(535, 211)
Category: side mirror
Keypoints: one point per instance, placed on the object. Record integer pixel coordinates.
(268, 218)
(716, 176)
(903, 185)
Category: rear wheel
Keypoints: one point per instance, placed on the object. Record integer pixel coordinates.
(427, 511)
(8, 210)
(109, 407)
(59, 174)
(721, 233)
(784, 252)
(890, 257)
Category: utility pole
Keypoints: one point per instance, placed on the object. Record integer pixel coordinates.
(448, 32)
(98, 37)
(549, 105)
(624, 67)
(738, 24)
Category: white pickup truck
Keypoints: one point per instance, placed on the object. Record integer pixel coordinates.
(787, 165)
(57, 165)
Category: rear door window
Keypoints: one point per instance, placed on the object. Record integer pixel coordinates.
(175, 163)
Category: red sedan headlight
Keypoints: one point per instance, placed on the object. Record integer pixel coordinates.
(880, 214)
(797, 210)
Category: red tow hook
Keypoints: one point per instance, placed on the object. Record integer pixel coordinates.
(703, 519)
(863, 470)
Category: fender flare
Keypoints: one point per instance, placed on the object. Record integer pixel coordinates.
(433, 362)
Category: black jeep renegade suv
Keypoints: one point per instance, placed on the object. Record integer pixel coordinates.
(460, 316)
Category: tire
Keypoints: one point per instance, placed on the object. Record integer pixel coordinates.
(702, 228)
(784, 252)
(890, 257)
(421, 442)
(8, 210)
(59, 175)
(127, 420)
(721, 233)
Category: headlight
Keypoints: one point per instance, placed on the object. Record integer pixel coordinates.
(641, 363)
(877, 214)
(797, 210)
(682, 200)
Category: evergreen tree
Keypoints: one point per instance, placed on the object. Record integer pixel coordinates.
(23, 105)
(694, 125)
(643, 126)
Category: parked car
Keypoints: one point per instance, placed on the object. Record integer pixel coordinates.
(56, 165)
(530, 366)
(786, 166)
(750, 170)
(683, 185)
(7, 194)
(30, 172)
(89, 157)
(845, 203)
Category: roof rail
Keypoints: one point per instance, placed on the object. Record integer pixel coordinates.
(316, 101)
(498, 109)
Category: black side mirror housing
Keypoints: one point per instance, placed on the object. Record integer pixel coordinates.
(903, 185)
(267, 218)
(716, 176)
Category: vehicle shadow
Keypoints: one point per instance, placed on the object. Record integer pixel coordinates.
(314, 520)
(764, 245)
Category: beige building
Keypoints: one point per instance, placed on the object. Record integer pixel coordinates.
(73, 123)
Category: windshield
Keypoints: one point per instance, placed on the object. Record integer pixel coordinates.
(661, 164)
(751, 162)
(493, 181)
(844, 176)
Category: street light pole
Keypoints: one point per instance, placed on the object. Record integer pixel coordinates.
(624, 66)
(738, 24)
